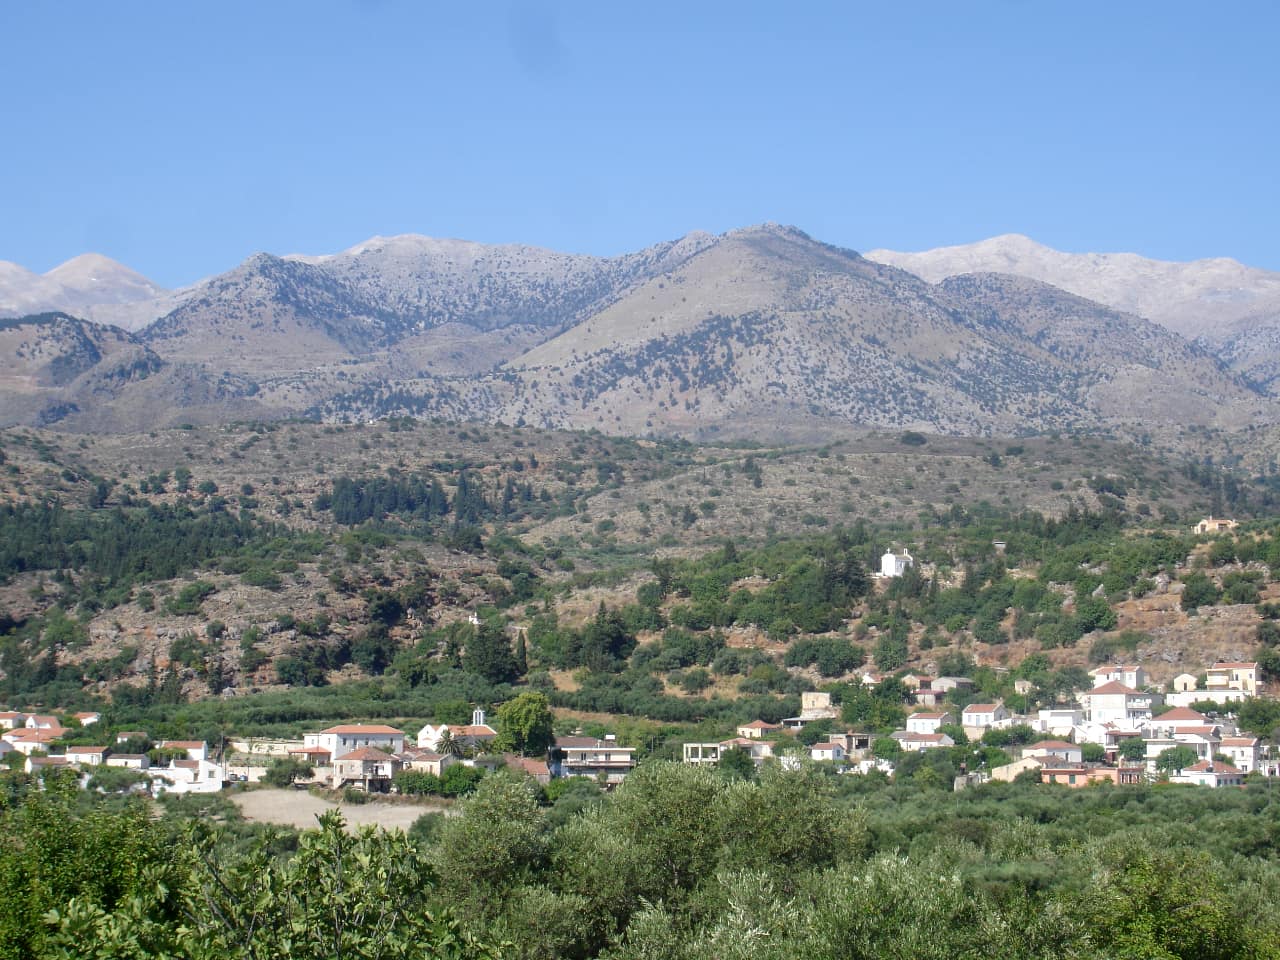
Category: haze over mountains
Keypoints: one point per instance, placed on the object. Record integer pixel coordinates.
(760, 330)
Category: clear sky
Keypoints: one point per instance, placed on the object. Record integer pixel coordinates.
(181, 137)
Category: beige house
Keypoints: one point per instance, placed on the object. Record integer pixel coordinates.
(426, 761)
(88, 756)
(1225, 675)
(757, 729)
(367, 768)
(1215, 525)
(1185, 683)
(1006, 773)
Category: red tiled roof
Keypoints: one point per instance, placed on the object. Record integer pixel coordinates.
(1228, 665)
(1239, 741)
(1054, 745)
(472, 730)
(1115, 686)
(364, 728)
(926, 715)
(1199, 731)
(1211, 766)
(762, 725)
(825, 746)
(981, 708)
(1180, 713)
(365, 753)
(181, 744)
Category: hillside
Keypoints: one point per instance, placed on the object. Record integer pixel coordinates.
(259, 556)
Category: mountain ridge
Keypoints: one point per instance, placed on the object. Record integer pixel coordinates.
(762, 328)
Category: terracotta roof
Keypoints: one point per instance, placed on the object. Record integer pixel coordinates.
(921, 737)
(310, 751)
(1180, 713)
(430, 756)
(762, 725)
(745, 742)
(981, 708)
(534, 768)
(926, 715)
(1239, 741)
(472, 730)
(181, 744)
(1227, 665)
(1053, 745)
(825, 746)
(364, 728)
(1115, 686)
(48, 761)
(83, 715)
(365, 753)
(1211, 766)
(87, 749)
(1199, 731)
(187, 764)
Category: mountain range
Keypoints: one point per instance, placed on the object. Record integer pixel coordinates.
(761, 330)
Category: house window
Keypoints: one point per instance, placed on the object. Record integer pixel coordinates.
(1071, 778)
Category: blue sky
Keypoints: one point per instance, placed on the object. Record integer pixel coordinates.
(180, 138)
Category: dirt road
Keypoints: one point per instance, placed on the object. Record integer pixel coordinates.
(297, 808)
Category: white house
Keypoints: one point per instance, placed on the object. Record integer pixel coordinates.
(759, 750)
(1129, 675)
(602, 760)
(194, 749)
(928, 721)
(1203, 740)
(1243, 752)
(130, 761)
(982, 715)
(1059, 721)
(1177, 719)
(828, 751)
(1056, 750)
(915, 742)
(187, 776)
(1115, 703)
(343, 739)
(895, 564)
(1207, 773)
(87, 756)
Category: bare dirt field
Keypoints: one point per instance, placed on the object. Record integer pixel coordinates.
(298, 808)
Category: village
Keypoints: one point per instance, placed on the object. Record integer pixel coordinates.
(1121, 731)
